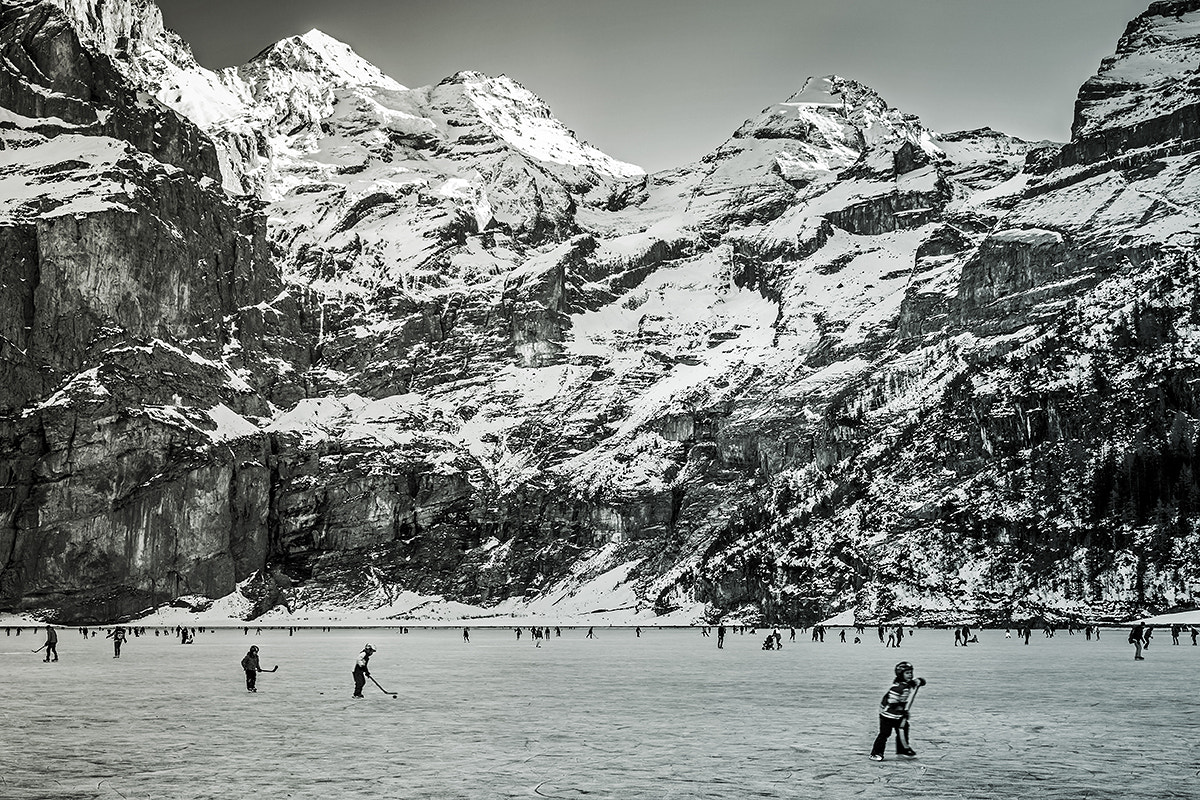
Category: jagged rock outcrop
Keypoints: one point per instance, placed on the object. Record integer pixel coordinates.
(130, 278)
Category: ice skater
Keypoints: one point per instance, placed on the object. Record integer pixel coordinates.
(893, 712)
(252, 667)
(720, 637)
(118, 636)
(466, 634)
(51, 645)
(1135, 639)
(362, 670)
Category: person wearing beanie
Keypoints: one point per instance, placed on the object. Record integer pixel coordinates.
(893, 712)
(251, 666)
(361, 670)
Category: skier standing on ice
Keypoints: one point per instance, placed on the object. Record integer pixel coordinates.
(361, 670)
(252, 667)
(893, 712)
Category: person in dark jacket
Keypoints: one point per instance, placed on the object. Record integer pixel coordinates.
(252, 667)
(1135, 638)
(51, 644)
(118, 636)
(893, 712)
(362, 670)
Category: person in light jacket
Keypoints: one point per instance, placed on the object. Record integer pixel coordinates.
(51, 644)
(362, 670)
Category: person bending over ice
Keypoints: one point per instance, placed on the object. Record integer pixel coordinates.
(51, 644)
(893, 712)
(361, 670)
(1135, 638)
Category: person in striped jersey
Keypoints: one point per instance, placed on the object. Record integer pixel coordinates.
(893, 712)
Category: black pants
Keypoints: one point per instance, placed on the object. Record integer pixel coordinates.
(360, 681)
(51, 650)
(886, 726)
(251, 677)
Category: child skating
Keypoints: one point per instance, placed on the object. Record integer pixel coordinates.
(893, 712)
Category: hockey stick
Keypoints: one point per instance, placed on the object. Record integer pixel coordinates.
(912, 697)
(272, 669)
(385, 691)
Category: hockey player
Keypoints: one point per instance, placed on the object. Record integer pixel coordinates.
(252, 667)
(893, 712)
(362, 670)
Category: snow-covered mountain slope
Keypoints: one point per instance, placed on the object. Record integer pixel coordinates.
(1151, 75)
(841, 361)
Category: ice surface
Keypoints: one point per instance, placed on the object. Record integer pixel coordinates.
(666, 715)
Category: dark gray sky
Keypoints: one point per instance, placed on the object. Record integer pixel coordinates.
(661, 82)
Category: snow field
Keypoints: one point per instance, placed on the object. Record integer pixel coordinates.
(666, 715)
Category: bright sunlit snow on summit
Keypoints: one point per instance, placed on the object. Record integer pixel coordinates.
(318, 52)
(523, 121)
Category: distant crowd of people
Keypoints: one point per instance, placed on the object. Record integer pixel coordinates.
(894, 709)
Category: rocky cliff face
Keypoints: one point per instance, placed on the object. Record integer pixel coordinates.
(300, 328)
(131, 282)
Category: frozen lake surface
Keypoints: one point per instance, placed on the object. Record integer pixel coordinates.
(664, 716)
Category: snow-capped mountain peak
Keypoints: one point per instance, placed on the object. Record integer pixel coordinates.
(520, 118)
(833, 112)
(1151, 75)
(320, 54)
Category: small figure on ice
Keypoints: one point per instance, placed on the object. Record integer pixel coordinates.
(51, 645)
(361, 670)
(252, 667)
(117, 634)
(1135, 638)
(893, 712)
